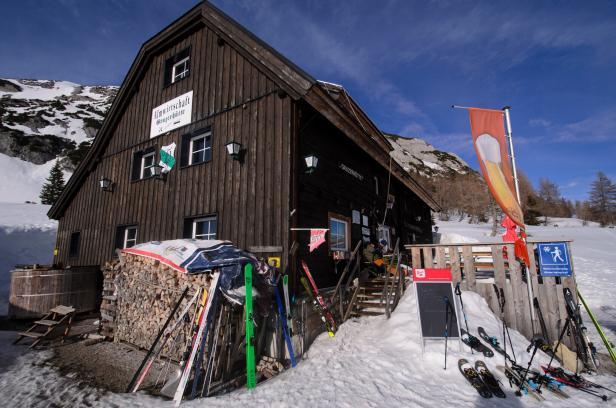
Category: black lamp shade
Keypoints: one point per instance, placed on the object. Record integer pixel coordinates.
(233, 149)
(156, 170)
(105, 183)
(311, 162)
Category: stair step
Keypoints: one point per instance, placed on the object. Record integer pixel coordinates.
(34, 335)
(46, 322)
(368, 313)
(375, 305)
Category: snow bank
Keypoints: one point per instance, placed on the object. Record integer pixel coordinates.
(26, 236)
(371, 362)
(25, 179)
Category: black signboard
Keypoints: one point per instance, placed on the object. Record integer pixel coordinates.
(436, 305)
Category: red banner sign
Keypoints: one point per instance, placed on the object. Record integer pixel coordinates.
(432, 275)
(317, 237)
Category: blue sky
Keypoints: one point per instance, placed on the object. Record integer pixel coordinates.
(405, 62)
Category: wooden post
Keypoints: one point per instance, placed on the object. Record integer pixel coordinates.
(416, 257)
(427, 256)
(520, 294)
(454, 261)
(469, 268)
(440, 257)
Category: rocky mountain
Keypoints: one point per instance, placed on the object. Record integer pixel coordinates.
(41, 120)
(417, 156)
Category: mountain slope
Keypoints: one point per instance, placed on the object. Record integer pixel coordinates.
(42, 121)
(417, 156)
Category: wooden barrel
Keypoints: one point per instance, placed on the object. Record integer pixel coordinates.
(35, 291)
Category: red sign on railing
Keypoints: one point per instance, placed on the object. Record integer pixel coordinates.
(432, 275)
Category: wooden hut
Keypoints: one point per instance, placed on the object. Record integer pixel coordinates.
(205, 85)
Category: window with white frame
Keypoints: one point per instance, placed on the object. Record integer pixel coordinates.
(130, 237)
(180, 69)
(338, 234)
(147, 162)
(204, 228)
(200, 149)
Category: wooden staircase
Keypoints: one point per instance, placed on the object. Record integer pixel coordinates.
(42, 329)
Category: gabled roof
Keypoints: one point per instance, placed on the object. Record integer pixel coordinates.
(347, 116)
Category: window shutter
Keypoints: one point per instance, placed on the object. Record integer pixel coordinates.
(119, 238)
(136, 168)
(188, 228)
(168, 67)
(185, 149)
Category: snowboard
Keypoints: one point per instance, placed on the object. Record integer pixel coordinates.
(474, 343)
(472, 376)
(493, 342)
(489, 380)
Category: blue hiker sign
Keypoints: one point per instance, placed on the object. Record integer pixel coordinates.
(554, 259)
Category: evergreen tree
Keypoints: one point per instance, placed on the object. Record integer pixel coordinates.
(53, 186)
(603, 199)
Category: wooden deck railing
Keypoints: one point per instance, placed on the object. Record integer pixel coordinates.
(477, 266)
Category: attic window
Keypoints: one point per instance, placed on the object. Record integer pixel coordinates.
(180, 70)
(177, 67)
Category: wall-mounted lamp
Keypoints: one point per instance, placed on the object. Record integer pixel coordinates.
(418, 218)
(234, 149)
(311, 163)
(156, 171)
(106, 184)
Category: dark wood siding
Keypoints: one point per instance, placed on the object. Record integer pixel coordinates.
(330, 189)
(251, 199)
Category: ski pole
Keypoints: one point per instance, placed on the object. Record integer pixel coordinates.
(458, 293)
(446, 300)
(519, 391)
(560, 339)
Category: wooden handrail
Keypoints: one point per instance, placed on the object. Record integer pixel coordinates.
(462, 244)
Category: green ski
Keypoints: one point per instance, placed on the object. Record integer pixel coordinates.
(607, 343)
(251, 376)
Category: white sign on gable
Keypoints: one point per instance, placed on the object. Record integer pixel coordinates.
(172, 114)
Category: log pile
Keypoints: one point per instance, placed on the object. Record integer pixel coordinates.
(269, 367)
(109, 297)
(145, 292)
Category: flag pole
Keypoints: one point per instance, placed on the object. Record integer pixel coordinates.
(512, 154)
(517, 192)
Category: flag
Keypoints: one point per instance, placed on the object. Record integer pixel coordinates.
(167, 161)
(510, 234)
(488, 132)
(317, 237)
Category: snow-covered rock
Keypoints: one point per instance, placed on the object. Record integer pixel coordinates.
(42, 121)
(418, 156)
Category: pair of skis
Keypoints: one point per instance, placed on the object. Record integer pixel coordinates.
(204, 319)
(318, 301)
(156, 348)
(481, 379)
(284, 319)
(576, 381)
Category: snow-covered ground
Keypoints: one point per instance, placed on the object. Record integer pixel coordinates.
(26, 236)
(371, 362)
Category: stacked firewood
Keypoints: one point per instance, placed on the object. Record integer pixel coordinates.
(108, 303)
(146, 292)
(269, 367)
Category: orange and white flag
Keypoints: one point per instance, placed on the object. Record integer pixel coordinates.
(488, 130)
